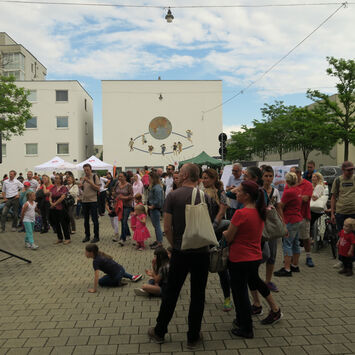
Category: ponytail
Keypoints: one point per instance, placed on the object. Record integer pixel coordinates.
(260, 204)
(257, 196)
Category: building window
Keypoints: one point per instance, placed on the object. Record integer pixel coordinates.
(3, 150)
(85, 104)
(31, 123)
(62, 148)
(31, 148)
(61, 95)
(17, 74)
(62, 122)
(14, 65)
(32, 97)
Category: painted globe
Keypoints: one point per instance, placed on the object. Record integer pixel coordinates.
(160, 128)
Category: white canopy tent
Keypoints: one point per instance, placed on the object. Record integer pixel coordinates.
(96, 164)
(55, 164)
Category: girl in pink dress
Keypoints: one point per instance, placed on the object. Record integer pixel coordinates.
(137, 201)
(141, 232)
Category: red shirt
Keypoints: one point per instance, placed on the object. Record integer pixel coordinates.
(306, 189)
(246, 245)
(57, 194)
(345, 242)
(293, 203)
(48, 188)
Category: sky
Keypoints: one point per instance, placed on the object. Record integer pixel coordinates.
(236, 45)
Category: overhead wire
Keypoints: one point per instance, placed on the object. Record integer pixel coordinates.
(71, 3)
(344, 4)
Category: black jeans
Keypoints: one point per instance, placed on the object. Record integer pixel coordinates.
(347, 262)
(61, 222)
(90, 208)
(224, 280)
(124, 223)
(44, 209)
(182, 263)
(243, 274)
(102, 202)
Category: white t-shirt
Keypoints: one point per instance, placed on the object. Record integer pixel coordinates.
(30, 214)
(275, 198)
(169, 180)
(11, 188)
(103, 182)
(318, 191)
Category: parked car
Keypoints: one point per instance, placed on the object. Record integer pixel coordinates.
(330, 173)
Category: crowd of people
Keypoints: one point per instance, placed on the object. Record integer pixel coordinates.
(237, 211)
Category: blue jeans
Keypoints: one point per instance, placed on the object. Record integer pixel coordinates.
(114, 280)
(340, 218)
(90, 208)
(155, 217)
(124, 223)
(291, 244)
(29, 226)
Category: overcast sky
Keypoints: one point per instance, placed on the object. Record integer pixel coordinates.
(233, 44)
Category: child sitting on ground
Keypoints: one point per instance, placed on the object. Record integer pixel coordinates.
(141, 232)
(114, 271)
(346, 244)
(158, 275)
(28, 217)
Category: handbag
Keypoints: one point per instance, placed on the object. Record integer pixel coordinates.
(274, 226)
(68, 201)
(218, 259)
(319, 205)
(198, 229)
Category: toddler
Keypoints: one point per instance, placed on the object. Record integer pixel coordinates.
(345, 246)
(141, 232)
(110, 208)
(137, 201)
(28, 217)
(114, 271)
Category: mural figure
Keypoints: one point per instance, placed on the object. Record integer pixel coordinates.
(150, 149)
(143, 139)
(163, 149)
(189, 135)
(131, 145)
(175, 148)
(179, 146)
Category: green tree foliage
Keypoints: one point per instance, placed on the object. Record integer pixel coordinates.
(311, 131)
(14, 108)
(239, 148)
(341, 112)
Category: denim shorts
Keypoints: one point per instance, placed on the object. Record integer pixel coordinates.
(291, 245)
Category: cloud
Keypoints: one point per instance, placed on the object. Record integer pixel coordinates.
(228, 129)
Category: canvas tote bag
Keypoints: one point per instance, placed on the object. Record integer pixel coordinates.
(319, 205)
(274, 227)
(198, 230)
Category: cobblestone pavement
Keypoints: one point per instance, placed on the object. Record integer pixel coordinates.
(45, 307)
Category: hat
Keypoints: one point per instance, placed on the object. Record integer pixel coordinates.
(27, 183)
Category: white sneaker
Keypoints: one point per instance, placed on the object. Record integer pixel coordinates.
(141, 292)
(338, 265)
(27, 245)
(34, 246)
(13, 230)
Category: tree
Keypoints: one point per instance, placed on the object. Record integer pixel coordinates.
(311, 131)
(239, 146)
(277, 116)
(341, 111)
(14, 108)
(263, 140)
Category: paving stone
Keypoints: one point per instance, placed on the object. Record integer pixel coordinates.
(106, 349)
(84, 350)
(41, 351)
(315, 349)
(62, 350)
(35, 342)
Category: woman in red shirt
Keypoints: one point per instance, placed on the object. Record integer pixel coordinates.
(244, 238)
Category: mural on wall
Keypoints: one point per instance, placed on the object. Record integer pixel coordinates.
(160, 128)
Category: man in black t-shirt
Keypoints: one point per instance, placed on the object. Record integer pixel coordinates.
(182, 262)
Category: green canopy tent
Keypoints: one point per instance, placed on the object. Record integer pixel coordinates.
(204, 159)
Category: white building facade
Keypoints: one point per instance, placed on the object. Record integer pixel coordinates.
(161, 122)
(61, 124)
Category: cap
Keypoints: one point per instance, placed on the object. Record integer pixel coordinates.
(27, 183)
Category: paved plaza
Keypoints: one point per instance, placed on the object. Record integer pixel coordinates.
(45, 307)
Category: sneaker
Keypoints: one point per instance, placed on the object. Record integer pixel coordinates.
(256, 311)
(158, 245)
(13, 229)
(116, 238)
(349, 272)
(140, 292)
(153, 245)
(295, 268)
(282, 272)
(27, 245)
(193, 345)
(272, 287)
(34, 246)
(338, 265)
(140, 249)
(227, 305)
(309, 262)
(273, 317)
(136, 278)
(342, 271)
(95, 240)
(241, 333)
(121, 243)
(156, 338)
(85, 240)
